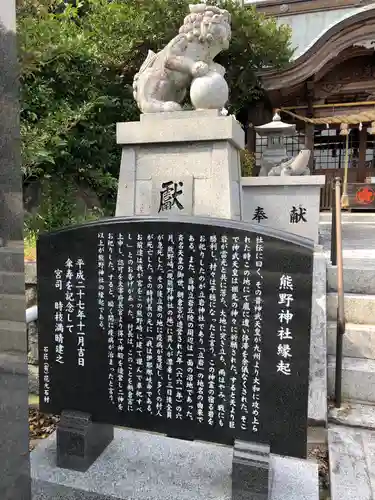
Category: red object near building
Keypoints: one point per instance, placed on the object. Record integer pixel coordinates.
(365, 195)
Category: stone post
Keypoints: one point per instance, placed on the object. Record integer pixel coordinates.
(11, 223)
(14, 432)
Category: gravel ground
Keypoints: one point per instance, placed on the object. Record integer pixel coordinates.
(321, 456)
(40, 426)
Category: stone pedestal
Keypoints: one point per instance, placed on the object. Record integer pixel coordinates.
(143, 466)
(185, 162)
(251, 472)
(286, 203)
(80, 441)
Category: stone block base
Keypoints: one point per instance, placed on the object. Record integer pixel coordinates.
(80, 441)
(184, 163)
(285, 203)
(142, 466)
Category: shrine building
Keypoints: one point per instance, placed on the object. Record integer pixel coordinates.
(330, 81)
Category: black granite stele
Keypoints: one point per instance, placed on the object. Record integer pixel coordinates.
(251, 472)
(173, 325)
(80, 441)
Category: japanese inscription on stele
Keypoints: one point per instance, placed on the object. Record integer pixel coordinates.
(197, 328)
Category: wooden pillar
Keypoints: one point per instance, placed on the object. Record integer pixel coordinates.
(309, 143)
(257, 115)
(309, 128)
(361, 173)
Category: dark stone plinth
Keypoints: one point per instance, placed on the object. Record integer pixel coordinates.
(80, 441)
(251, 476)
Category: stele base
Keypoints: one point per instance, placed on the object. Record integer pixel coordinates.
(142, 466)
(287, 203)
(183, 163)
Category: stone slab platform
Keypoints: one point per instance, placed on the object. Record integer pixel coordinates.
(144, 466)
(354, 415)
(352, 463)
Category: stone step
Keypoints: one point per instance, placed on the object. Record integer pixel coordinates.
(12, 307)
(12, 363)
(11, 282)
(15, 244)
(12, 336)
(358, 379)
(359, 308)
(351, 463)
(353, 415)
(358, 342)
(12, 258)
(358, 278)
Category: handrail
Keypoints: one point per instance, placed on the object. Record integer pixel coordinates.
(333, 226)
(337, 260)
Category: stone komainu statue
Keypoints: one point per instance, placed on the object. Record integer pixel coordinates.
(165, 77)
(297, 165)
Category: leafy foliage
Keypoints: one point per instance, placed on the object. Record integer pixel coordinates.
(78, 60)
(59, 207)
(247, 162)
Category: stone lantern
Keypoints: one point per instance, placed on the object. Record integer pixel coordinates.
(275, 152)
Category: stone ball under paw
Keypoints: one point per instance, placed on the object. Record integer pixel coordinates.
(209, 91)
